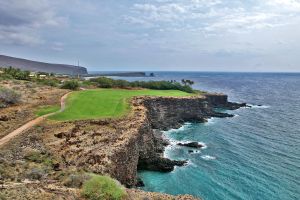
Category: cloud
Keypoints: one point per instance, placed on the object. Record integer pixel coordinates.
(158, 32)
(214, 16)
(285, 5)
(241, 22)
(20, 21)
(19, 36)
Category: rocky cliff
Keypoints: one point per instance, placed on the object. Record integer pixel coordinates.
(6, 61)
(121, 147)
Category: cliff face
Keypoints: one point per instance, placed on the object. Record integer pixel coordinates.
(165, 113)
(6, 61)
(121, 147)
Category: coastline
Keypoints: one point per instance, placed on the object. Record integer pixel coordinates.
(210, 103)
(161, 113)
(120, 147)
(132, 144)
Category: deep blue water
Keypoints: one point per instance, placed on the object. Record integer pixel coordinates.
(255, 155)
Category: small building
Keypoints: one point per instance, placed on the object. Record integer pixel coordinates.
(61, 76)
(42, 76)
(32, 74)
(1, 72)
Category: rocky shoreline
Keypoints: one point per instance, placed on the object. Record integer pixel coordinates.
(169, 113)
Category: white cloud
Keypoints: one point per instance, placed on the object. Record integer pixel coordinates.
(241, 22)
(22, 36)
(290, 5)
(214, 16)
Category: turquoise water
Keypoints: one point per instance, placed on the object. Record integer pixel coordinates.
(254, 155)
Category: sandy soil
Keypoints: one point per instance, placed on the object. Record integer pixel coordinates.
(31, 123)
(32, 96)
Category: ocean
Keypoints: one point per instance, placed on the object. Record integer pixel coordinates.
(252, 156)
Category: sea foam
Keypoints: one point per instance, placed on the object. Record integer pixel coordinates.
(210, 121)
(258, 106)
(208, 157)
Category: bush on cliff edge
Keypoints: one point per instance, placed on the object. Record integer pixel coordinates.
(102, 188)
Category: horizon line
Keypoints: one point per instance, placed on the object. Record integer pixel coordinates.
(195, 71)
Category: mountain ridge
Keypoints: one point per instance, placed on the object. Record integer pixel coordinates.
(30, 65)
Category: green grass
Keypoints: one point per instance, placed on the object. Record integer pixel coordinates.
(47, 109)
(105, 103)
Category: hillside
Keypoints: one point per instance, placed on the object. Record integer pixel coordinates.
(6, 61)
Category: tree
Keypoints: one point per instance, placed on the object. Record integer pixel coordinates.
(189, 82)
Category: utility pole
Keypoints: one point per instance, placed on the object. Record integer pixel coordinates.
(78, 75)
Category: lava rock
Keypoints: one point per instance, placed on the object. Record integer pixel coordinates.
(191, 151)
(159, 164)
(60, 135)
(191, 144)
(140, 183)
(4, 118)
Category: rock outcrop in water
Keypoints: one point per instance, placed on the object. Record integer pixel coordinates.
(221, 101)
(122, 146)
(191, 144)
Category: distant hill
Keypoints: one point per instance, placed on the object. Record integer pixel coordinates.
(6, 61)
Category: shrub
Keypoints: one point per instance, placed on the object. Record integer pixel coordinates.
(6, 76)
(102, 187)
(49, 82)
(36, 156)
(33, 155)
(35, 174)
(8, 96)
(71, 85)
(104, 82)
(75, 180)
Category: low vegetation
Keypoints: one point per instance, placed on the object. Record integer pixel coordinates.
(103, 82)
(71, 85)
(42, 78)
(105, 103)
(74, 178)
(49, 82)
(8, 97)
(36, 156)
(13, 73)
(100, 82)
(103, 187)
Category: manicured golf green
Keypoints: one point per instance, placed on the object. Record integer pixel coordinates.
(105, 103)
(47, 109)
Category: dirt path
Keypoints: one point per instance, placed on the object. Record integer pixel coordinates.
(32, 123)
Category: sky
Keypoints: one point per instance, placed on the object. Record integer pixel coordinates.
(157, 35)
